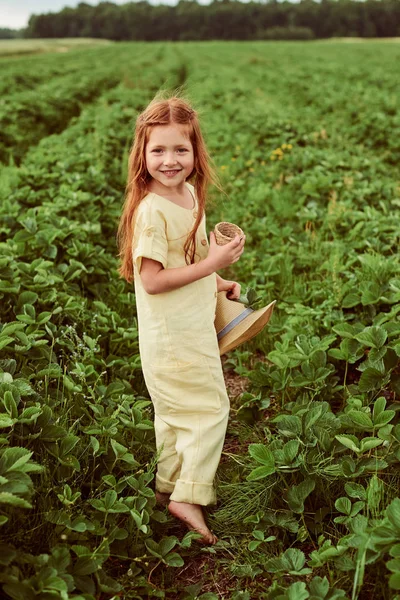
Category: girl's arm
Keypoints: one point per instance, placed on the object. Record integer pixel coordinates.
(156, 279)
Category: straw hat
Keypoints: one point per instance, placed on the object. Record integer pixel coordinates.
(235, 323)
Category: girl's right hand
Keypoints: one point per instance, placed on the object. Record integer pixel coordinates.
(220, 257)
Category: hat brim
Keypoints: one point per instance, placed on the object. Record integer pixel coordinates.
(246, 329)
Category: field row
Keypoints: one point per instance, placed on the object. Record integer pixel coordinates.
(27, 115)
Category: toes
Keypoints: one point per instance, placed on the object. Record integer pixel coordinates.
(209, 538)
(214, 539)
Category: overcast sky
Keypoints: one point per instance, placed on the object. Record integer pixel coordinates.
(15, 13)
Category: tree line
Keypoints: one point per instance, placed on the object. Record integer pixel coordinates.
(222, 19)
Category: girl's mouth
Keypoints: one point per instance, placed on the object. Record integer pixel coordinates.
(171, 173)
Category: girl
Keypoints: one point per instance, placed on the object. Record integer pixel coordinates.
(164, 248)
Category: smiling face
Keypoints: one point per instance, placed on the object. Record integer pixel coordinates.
(169, 158)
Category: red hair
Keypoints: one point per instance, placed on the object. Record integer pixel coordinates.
(168, 111)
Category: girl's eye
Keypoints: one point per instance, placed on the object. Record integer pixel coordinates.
(157, 150)
(182, 150)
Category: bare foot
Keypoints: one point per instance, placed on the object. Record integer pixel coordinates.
(162, 498)
(192, 515)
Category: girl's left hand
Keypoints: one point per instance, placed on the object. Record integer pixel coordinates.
(232, 287)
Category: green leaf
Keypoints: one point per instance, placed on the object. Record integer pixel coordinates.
(50, 580)
(167, 544)
(84, 566)
(290, 450)
(370, 379)
(174, 560)
(279, 358)
(361, 419)
(52, 433)
(376, 354)
(357, 507)
(393, 565)
(297, 591)
(294, 559)
(351, 299)
(338, 354)
(379, 406)
(5, 341)
(260, 473)
(368, 443)
(68, 443)
(345, 330)
(394, 581)
(393, 513)
(384, 418)
(21, 461)
(350, 441)
(6, 421)
(153, 548)
(119, 449)
(95, 444)
(343, 505)
(375, 491)
(19, 591)
(371, 293)
(262, 454)
(395, 551)
(52, 371)
(107, 501)
(8, 498)
(27, 298)
(312, 416)
(373, 337)
(7, 554)
(319, 587)
(297, 495)
(288, 425)
(253, 545)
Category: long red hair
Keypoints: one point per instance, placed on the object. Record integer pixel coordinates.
(173, 110)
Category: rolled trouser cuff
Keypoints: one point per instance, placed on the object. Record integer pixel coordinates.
(194, 493)
(164, 486)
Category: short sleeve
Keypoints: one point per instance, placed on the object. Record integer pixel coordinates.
(149, 239)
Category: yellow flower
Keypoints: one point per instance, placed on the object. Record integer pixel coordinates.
(251, 170)
(273, 157)
(263, 162)
(233, 159)
(289, 146)
(223, 167)
(237, 148)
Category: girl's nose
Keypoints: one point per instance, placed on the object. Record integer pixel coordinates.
(169, 160)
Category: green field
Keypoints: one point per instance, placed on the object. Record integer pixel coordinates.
(306, 139)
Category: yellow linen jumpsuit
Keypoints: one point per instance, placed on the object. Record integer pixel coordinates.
(179, 354)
